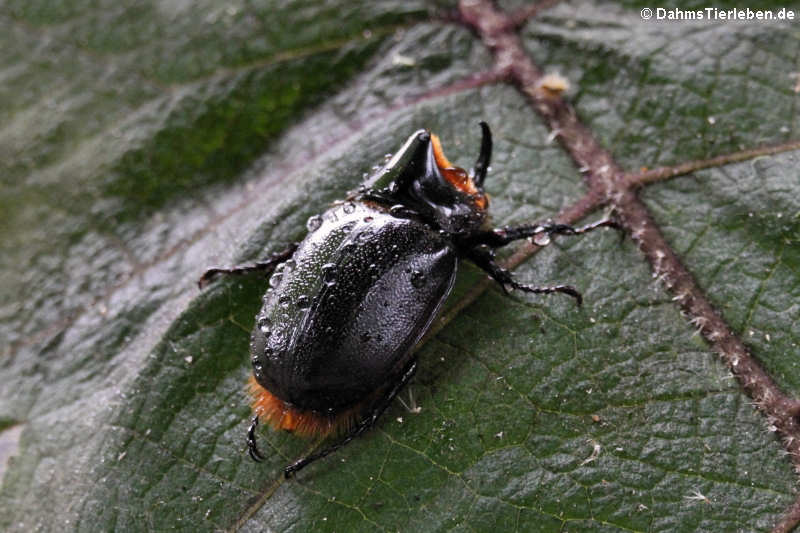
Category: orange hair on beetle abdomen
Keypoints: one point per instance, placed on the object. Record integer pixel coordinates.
(306, 423)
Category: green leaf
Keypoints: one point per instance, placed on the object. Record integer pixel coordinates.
(141, 144)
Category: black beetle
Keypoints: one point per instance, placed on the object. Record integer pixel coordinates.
(332, 345)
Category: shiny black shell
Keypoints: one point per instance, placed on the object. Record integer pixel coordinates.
(341, 317)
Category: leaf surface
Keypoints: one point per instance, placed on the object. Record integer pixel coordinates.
(141, 144)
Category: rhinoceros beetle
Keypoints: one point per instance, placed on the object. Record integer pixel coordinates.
(332, 344)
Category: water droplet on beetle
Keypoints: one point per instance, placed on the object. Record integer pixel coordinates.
(329, 274)
(542, 239)
(417, 279)
(263, 324)
(347, 228)
(313, 223)
(349, 207)
(289, 265)
(303, 302)
(275, 279)
(368, 219)
(284, 301)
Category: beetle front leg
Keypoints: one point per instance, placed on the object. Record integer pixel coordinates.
(484, 258)
(262, 266)
(362, 426)
(501, 236)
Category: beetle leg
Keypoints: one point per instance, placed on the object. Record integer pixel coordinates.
(262, 266)
(252, 447)
(362, 426)
(484, 258)
(502, 236)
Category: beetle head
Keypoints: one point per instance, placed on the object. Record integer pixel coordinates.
(421, 177)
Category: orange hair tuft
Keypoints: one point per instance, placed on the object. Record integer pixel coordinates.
(282, 415)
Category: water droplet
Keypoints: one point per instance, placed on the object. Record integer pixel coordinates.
(303, 302)
(329, 273)
(368, 219)
(417, 279)
(313, 223)
(349, 207)
(275, 279)
(542, 239)
(263, 324)
(284, 301)
(289, 265)
(364, 236)
(347, 228)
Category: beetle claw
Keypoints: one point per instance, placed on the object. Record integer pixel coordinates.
(252, 447)
(255, 455)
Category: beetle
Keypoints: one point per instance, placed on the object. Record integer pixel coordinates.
(332, 344)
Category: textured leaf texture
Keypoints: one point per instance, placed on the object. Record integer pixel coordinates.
(142, 142)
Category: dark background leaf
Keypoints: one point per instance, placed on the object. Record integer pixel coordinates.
(140, 144)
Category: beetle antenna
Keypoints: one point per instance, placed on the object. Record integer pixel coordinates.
(485, 157)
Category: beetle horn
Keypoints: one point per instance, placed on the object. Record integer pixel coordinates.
(482, 164)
